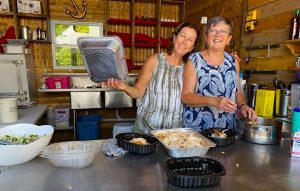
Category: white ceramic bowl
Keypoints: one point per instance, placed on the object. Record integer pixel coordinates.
(74, 154)
(18, 154)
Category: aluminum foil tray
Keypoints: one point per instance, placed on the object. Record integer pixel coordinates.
(103, 58)
(184, 152)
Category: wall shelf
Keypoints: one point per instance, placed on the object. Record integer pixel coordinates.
(293, 46)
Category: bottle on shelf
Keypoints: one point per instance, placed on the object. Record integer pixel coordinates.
(295, 23)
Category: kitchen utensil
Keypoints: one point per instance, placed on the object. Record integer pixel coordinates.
(18, 154)
(252, 88)
(282, 102)
(25, 32)
(264, 131)
(4, 142)
(248, 58)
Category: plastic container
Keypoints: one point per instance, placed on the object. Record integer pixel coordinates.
(124, 138)
(58, 82)
(296, 120)
(88, 127)
(194, 171)
(62, 117)
(74, 154)
(220, 142)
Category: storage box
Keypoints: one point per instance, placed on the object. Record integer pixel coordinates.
(62, 117)
(296, 145)
(87, 127)
(58, 82)
(264, 103)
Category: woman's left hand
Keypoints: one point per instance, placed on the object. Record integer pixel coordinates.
(248, 112)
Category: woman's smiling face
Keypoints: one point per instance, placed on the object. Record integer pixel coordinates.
(185, 40)
(218, 36)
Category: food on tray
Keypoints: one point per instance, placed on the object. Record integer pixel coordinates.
(253, 122)
(20, 140)
(218, 133)
(180, 139)
(139, 141)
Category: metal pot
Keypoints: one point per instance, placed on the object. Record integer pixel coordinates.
(264, 131)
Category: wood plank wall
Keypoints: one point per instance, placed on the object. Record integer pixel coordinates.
(273, 26)
(273, 23)
(232, 9)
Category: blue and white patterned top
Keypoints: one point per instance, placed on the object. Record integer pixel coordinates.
(212, 81)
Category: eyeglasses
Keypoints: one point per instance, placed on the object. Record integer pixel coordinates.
(214, 32)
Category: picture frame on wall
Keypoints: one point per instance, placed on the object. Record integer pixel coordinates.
(29, 6)
(4, 6)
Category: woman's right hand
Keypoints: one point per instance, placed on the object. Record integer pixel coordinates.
(117, 84)
(226, 104)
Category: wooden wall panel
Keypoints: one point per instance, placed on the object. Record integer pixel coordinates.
(273, 26)
(232, 9)
(95, 10)
(257, 3)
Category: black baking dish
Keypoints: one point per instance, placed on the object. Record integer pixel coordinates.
(220, 142)
(124, 138)
(194, 171)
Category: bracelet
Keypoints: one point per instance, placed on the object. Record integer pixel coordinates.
(242, 105)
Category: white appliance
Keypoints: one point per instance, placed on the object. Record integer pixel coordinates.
(17, 77)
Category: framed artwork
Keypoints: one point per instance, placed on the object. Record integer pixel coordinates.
(29, 6)
(4, 6)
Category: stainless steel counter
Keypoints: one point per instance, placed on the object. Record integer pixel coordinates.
(249, 167)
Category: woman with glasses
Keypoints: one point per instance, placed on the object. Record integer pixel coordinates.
(160, 83)
(211, 87)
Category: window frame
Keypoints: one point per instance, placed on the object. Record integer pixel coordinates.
(53, 23)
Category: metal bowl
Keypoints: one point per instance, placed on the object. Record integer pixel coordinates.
(264, 131)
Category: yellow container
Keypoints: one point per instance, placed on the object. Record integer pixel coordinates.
(264, 103)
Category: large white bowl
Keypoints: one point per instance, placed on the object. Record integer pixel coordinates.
(18, 154)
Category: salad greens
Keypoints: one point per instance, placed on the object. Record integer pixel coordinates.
(21, 140)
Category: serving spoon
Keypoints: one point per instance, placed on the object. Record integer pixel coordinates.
(4, 142)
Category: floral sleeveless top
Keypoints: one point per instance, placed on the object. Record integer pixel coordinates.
(161, 106)
(212, 81)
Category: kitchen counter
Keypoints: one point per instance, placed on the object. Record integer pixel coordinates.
(249, 167)
(29, 115)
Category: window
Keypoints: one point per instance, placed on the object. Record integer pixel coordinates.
(64, 34)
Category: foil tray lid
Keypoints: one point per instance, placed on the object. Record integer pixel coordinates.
(103, 57)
